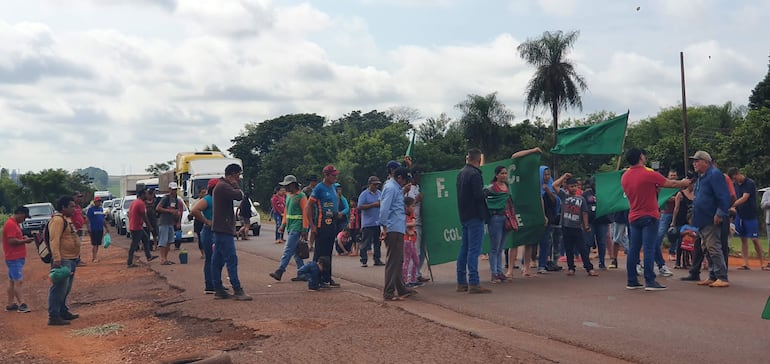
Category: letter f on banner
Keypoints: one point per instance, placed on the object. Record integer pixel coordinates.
(440, 188)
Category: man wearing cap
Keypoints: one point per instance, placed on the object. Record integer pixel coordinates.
(294, 222)
(324, 227)
(96, 226)
(641, 186)
(369, 206)
(170, 210)
(709, 210)
(14, 247)
(393, 228)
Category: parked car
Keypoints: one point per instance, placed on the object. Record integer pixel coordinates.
(117, 204)
(122, 221)
(39, 214)
(256, 223)
(107, 207)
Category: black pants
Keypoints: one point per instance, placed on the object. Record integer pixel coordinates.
(324, 245)
(136, 237)
(574, 243)
(370, 237)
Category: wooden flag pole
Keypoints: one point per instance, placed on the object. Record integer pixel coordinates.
(623, 144)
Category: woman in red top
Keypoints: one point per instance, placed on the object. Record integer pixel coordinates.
(278, 203)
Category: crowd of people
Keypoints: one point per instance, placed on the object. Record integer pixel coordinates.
(697, 220)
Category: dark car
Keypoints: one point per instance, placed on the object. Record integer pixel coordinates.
(39, 214)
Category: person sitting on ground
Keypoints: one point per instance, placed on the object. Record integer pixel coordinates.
(312, 272)
(343, 242)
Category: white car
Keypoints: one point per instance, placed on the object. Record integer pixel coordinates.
(116, 206)
(121, 223)
(255, 219)
(188, 226)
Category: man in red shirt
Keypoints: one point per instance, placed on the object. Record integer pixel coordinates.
(14, 246)
(137, 216)
(641, 186)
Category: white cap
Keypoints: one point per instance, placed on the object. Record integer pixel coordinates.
(172, 186)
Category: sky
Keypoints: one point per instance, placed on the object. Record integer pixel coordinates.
(122, 84)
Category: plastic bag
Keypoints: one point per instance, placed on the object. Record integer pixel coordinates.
(106, 241)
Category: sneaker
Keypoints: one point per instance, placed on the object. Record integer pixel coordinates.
(462, 288)
(542, 271)
(706, 282)
(409, 285)
(690, 278)
(301, 278)
(613, 265)
(69, 316)
(333, 284)
(324, 285)
(717, 284)
(364, 265)
(665, 272)
(277, 275)
(495, 280)
(417, 284)
(57, 321)
(239, 295)
(12, 307)
(636, 285)
(478, 289)
(378, 263)
(23, 308)
(423, 279)
(221, 295)
(655, 286)
(209, 291)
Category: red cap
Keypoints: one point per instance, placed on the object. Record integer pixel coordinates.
(331, 170)
(212, 182)
(97, 198)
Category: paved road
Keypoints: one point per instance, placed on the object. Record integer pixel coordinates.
(686, 323)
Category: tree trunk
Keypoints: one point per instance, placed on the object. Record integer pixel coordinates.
(554, 157)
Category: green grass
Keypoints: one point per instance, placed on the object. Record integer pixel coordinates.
(735, 247)
(98, 330)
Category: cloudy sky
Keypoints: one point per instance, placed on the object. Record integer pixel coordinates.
(120, 84)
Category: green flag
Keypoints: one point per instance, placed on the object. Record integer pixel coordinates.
(442, 231)
(602, 138)
(410, 149)
(610, 197)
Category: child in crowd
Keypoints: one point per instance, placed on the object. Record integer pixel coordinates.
(343, 242)
(411, 259)
(355, 227)
(311, 271)
(687, 243)
(574, 221)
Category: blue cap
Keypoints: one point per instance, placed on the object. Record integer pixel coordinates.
(392, 165)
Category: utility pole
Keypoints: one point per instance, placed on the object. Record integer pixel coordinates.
(684, 115)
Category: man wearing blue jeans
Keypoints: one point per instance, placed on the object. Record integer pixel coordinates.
(472, 208)
(223, 227)
(295, 222)
(65, 250)
(641, 187)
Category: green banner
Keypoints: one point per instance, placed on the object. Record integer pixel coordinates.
(601, 138)
(610, 197)
(442, 231)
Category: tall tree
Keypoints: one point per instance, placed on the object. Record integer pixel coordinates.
(212, 148)
(760, 96)
(158, 168)
(482, 117)
(555, 85)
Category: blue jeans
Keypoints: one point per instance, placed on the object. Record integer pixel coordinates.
(58, 293)
(643, 235)
(278, 219)
(665, 222)
(497, 235)
(468, 258)
(224, 253)
(599, 234)
(290, 250)
(544, 250)
(207, 238)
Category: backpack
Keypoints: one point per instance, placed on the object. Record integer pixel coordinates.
(43, 242)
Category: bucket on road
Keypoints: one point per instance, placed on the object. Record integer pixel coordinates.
(183, 257)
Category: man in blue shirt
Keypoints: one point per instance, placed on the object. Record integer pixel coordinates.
(369, 205)
(324, 228)
(710, 209)
(96, 226)
(393, 225)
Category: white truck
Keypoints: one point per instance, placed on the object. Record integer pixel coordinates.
(201, 171)
(128, 183)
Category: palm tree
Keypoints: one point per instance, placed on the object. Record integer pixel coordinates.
(555, 85)
(482, 115)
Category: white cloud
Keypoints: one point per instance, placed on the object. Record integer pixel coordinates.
(560, 8)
